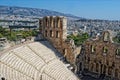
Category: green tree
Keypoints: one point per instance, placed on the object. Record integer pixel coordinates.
(26, 34)
(79, 39)
(12, 36)
(1, 35)
(117, 38)
(2, 30)
(34, 33)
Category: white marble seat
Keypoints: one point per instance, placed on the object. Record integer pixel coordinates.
(46, 77)
(59, 70)
(30, 57)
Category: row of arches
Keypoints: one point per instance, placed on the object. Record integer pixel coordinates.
(51, 33)
(51, 21)
(101, 68)
(53, 27)
(104, 69)
(105, 50)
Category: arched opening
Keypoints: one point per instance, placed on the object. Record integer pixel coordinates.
(101, 68)
(51, 21)
(46, 22)
(57, 34)
(46, 33)
(93, 49)
(58, 22)
(88, 59)
(97, 67)
(92, 67)
(109, 71)
(51, 33)
(104, 70)
(54, 22)
(105, 50)
(116, 73)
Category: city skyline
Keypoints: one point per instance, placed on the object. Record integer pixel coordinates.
(92, 9)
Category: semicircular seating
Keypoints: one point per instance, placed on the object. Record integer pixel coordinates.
(34, 61)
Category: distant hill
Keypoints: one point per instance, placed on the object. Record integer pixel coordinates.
(23, 11)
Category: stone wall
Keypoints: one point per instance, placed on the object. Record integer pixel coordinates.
(54, 29)
(101, 56)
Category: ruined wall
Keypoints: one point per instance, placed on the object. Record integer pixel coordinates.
(102, 56)
(54, 29)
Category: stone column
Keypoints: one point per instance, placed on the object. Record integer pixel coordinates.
(64, 28)
(99, 69)
(107, 70)
(114, 72)
(94, 67)
(89, 66)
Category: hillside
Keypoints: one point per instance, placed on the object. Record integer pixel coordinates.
(23, 11)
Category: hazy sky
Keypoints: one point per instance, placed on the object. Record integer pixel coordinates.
(100, 9)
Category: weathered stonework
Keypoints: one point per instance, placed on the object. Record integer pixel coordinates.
(53, 28)
(101, 56)
(96, 56)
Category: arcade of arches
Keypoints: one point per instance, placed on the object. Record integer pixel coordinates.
(101, 56)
